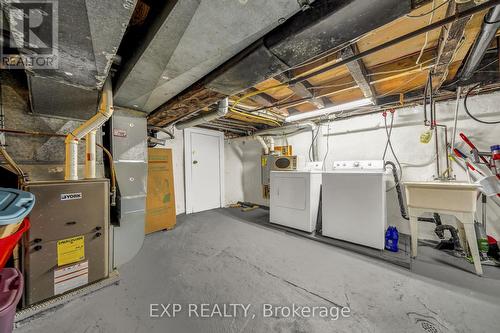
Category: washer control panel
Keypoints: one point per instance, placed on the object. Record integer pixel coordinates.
(375, 165)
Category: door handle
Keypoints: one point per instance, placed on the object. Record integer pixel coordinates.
(195, 162)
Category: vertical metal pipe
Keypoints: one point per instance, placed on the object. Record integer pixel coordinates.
(433, 126)
(484, 199)
(455, 121)
(438, 169)
(448, 170)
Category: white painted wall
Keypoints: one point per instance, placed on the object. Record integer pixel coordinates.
(367, 141)
(233, 173)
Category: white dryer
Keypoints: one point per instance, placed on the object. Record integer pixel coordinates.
(295, 199)
(354, 203)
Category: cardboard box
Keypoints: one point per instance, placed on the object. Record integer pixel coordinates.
(160, 201)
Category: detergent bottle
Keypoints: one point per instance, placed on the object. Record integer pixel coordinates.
(391, 239)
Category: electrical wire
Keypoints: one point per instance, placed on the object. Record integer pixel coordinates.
(327, 144)
(468, 112)
(373, 50)
(427, 34)
(413, 78)
(285, 84)
(429, 12)
(251, 94)
(370, 51)
(406, 69)
(314, 137)
(328, 53)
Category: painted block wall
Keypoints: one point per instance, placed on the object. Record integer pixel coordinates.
(365, 138)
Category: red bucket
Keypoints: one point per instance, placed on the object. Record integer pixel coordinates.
(8, 243)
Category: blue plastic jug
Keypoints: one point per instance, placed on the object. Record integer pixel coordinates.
(391, 239)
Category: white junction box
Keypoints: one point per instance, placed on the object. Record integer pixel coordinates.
(354, 203)
(295, 199)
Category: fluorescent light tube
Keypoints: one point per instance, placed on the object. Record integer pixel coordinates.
(332, 109)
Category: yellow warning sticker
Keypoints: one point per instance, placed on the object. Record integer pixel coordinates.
(70, 250)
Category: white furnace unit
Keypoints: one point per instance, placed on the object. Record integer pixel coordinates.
(295, 199)
(354, 203)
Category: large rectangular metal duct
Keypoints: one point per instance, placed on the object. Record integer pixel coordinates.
(327, 25)
(89, 33)
(189, 39)
(129, 148)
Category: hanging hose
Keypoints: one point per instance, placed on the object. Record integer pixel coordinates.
(436, 219)
(402, 208)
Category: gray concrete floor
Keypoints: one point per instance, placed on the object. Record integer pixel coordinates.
(212, 257)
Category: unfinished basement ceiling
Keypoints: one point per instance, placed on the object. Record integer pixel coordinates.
(188, 40)
(257, 81)
(89, 34)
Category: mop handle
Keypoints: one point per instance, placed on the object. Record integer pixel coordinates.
(467, 141)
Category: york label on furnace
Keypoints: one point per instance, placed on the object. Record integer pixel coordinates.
(71, 196)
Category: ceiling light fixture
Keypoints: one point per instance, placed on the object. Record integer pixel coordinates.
(329, 110)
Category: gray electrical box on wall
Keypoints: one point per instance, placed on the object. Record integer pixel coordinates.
(67, 244)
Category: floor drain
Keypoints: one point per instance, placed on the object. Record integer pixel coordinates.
(429, 327)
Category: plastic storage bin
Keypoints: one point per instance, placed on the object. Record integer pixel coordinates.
(7, 244)
(15, 205)
(11, 289)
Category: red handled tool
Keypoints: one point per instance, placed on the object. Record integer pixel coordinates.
(472, 146)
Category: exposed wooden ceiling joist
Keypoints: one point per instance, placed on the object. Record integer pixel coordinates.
(300, 89)
(265, 100)
(396, 69)
(452, 37)
(183, 105)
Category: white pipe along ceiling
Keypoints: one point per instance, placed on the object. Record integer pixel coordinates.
(205, 117)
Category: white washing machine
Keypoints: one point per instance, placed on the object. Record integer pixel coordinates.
(354, 203)
(295, 199)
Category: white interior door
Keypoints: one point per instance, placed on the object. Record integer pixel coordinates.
(204, 158)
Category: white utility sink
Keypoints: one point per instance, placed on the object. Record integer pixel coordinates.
(453, 198)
